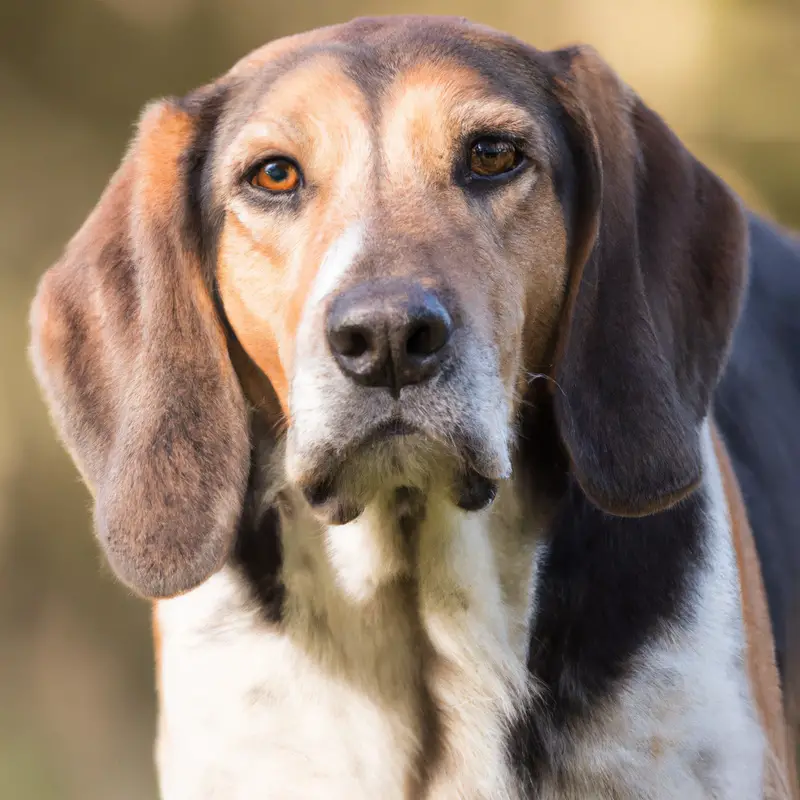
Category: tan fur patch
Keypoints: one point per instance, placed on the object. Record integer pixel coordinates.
(780, 772)
(431, 111)
(268, 261)
(164, 134)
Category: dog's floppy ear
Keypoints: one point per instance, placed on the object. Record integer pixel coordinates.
(133, 362)
(658, 258)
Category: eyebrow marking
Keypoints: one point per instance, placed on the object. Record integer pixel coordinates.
(336, 261)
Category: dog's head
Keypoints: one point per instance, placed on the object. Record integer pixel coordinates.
(374, 237)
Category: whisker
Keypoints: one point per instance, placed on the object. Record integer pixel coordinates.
(533, 376)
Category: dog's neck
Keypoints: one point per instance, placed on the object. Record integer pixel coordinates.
(423, 644)
(415, 615)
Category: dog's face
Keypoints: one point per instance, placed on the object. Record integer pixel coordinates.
(394, 224)
(392, 253)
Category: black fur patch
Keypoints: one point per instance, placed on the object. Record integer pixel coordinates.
(258, 552)
(202, 226)
(259, 555)
(607, 585)
(756, 408)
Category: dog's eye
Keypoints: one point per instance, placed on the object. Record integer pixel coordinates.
(276, 175)
(490, 157)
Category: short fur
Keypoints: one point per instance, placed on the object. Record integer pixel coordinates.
(514, 579)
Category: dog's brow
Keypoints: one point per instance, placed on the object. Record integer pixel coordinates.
(259, 138)
(291, 112)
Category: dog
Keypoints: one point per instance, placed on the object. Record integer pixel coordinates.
(430, 387)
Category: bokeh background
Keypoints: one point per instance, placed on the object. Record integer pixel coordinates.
(76, 684)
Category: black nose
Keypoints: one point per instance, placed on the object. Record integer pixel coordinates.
(389, 333)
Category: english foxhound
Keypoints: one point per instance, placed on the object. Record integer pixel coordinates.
(389, 358)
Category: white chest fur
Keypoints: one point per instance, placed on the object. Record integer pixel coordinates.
(337, 700)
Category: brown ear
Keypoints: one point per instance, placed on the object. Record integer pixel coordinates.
(659, 261)
(133, 362)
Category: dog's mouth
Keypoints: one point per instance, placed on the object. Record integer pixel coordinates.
(386, 431)
(398, 454)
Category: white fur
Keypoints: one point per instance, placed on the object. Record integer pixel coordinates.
(317, 380)
(684, 724)
(333, 703)
(378, 629)
(365, 554)
(248, 712)
(338, 259)
(477, 677)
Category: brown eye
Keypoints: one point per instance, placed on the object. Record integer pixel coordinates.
(276, 175)
(491, 157)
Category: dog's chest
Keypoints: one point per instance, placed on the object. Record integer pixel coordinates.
(248, 712)
(400, 677)
(376, 683)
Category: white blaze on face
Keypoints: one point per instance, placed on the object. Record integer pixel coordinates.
(338, 259)
(316, 375)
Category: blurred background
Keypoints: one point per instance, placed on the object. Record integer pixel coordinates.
(76, 684)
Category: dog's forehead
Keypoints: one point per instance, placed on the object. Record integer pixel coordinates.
(372, 52)
(392, 37)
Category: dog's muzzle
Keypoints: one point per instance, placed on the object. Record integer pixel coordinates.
(400, 393)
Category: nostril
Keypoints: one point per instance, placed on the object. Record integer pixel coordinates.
(422, 341)
(359, 344)
(351, 342)
(428, 336)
